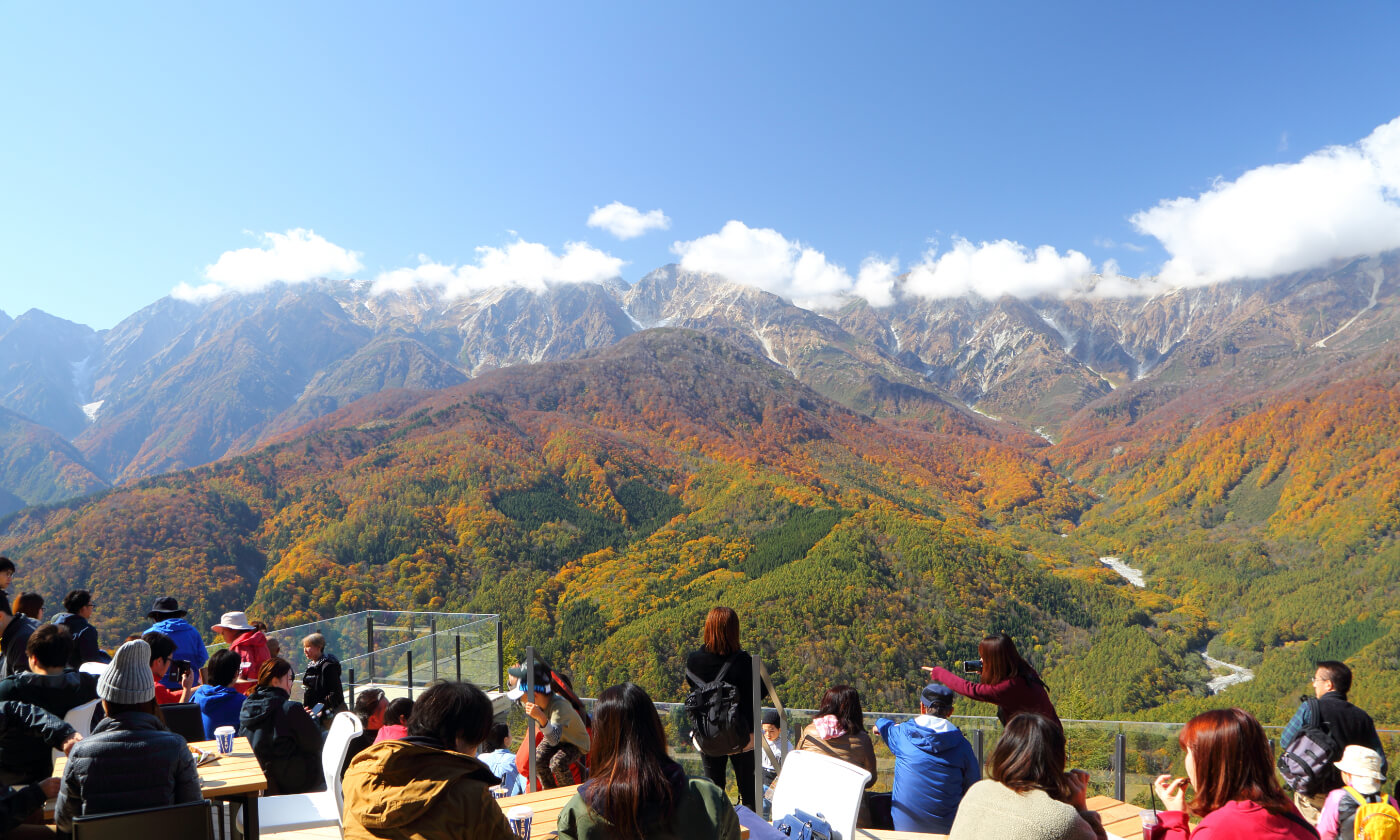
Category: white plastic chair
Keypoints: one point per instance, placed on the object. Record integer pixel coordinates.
(822, 786)
(80, 718)
(295, 811)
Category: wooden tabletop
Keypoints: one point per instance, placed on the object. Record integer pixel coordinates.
(1118, 818)
(231, 775)
(546, 804)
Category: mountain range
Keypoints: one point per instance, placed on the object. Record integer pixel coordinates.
(874, 488)
(179, 384)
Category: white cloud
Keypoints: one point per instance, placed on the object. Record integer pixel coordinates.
(876, 281)
(993, 269)
(765, 259)
(296, 256)
(1338, 203)
(526, 264)
(626, 222)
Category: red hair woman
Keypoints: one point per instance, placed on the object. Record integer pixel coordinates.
(1230, 766)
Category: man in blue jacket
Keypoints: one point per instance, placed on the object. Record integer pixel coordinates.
(934, 765)
(189, 645)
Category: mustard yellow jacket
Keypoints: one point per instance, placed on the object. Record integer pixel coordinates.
(413, 790)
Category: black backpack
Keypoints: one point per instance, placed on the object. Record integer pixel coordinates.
(715, 720)
(1306, 763)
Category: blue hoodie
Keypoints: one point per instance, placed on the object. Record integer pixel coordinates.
(189, 646)
(934, 765)
(218, 706)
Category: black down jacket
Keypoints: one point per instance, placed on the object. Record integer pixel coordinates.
(129, 761)
(285, 739)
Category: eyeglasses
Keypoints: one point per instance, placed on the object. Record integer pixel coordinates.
(1320, 680)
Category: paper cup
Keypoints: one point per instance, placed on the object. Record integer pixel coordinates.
(499, 791)
(520, 818)
(224, 735)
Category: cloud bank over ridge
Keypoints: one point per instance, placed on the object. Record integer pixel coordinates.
(524, 264)
(296, 256)
(1338, 203)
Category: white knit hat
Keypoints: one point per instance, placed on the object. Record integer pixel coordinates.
(128, 679)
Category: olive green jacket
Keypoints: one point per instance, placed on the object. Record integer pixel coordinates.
(704, 813)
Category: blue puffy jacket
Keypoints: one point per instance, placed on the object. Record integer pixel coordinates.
(189, 646)
(934, 765)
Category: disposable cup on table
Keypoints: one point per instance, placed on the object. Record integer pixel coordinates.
(520, 818)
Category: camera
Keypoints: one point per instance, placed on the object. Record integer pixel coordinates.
(180, 667)
(972, 666)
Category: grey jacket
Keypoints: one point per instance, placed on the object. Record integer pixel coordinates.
(129, 761)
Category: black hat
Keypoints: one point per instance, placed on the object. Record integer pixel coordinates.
(166, 608)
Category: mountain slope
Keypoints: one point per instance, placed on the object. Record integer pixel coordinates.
(603, 504)
(38, 467)
(42, 365)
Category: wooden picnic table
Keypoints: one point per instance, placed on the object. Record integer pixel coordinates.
(547, 804)
(235, 776)
(1119, 819)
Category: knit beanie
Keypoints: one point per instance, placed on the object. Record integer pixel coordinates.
(128, 679)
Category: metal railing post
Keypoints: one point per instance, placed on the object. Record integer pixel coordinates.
(352, 689)
(369, 643)
(529, 682)
(978, 746)
(458, 640)
(432, 625)
(1120, 765)
(757, 735)
(410, 675)
(500, 656)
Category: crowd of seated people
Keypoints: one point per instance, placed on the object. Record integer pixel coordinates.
(428, 767)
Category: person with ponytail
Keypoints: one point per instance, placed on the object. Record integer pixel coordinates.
(635, 791)
(286, 741)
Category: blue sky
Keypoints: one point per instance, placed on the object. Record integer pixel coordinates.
(142, 142)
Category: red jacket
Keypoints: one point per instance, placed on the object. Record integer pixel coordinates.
(252, 650)
(1237, 820)
(1011, 696)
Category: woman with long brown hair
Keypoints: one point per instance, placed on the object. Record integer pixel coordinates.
(721, 651)
(1028, 795)
(635, 790)
(1230, 766)
(286, 741)
(1006, 679)
(838, 730)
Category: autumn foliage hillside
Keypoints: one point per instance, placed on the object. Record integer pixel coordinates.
(602, 505)
(1278, 518)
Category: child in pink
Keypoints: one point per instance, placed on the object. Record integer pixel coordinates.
(395, 720)
(1361, 773)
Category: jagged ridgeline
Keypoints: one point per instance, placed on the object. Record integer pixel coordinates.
(602, 505)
